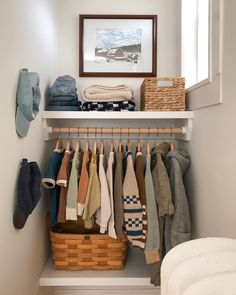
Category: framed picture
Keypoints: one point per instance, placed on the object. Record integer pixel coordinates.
(118, 46)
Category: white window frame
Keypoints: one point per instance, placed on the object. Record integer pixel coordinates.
(209, 91)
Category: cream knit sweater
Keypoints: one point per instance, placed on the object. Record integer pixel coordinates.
(104, 213)
(111, 223)
(101, 93)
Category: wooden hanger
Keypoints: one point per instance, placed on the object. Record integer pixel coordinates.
(77, 147)
(120, 146)
(87, 145)
(59, 144)
(139, 143)
(139, 146)
(95, 142)
(112, 141)
(128, 144)
(101, 147)
(171, 146)
(68, 145)
(148, 144)
(148, 148)
(95, 146)
(87, 142)
(120, 143)
(111, 145)
(157, 137)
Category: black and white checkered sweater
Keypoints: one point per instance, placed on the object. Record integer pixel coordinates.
(133, 211)
(126, 105)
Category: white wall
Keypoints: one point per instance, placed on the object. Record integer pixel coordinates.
(28, 31)
(211, 181)
(168, 55)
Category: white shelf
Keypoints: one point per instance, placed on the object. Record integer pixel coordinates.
(117, 115)
(176, 119)
(136, 273)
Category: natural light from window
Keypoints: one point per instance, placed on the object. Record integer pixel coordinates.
(195, 41)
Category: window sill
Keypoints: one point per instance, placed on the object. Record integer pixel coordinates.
(205, 94)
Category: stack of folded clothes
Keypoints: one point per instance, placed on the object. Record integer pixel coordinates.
(108, 98)
(63, 95)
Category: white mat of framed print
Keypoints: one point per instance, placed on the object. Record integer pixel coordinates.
(118, 45)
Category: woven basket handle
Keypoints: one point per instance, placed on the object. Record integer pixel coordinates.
(166, 82)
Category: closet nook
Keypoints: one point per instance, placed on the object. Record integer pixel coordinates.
(102, 130)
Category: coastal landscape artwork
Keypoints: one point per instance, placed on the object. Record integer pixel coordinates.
(114, 45)
(118, 45)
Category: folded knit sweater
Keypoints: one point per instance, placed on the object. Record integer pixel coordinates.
(101, 93)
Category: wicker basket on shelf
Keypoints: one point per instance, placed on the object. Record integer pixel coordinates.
(163, 94)
(87, 251)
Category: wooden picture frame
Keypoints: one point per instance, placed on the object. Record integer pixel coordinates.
(117, 45)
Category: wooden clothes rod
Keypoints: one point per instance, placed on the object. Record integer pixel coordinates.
(116, 131)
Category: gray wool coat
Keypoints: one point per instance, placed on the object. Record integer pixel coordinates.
(177, 226)
(162, 191)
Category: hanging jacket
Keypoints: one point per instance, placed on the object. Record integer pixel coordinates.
(153, 232)
(163, 197)
(62, 181)
(161, 180)
(49, 182)
(93, 197)
(83, 183)
(71, 201)
(104, 212)
(109, 175)
(178, 226)
(118, 202)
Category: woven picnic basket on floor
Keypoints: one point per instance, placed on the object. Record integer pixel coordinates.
(163, 94)
(87, 251)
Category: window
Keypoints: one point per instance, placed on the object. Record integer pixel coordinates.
(201, 25)
(195, 41)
